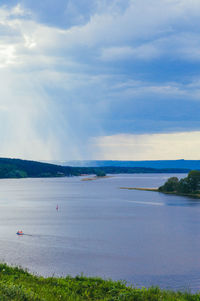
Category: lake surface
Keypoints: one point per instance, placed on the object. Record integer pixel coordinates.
(145, 238)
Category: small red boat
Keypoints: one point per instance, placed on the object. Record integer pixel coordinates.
(20, 232)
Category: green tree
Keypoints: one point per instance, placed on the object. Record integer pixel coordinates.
(100, 173)
(194, 180)
(171, 185)
(184, 186)
(190, 184)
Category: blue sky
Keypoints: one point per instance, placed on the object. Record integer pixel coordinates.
(109, 79)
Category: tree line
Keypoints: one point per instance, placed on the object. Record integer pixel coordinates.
(17, 168)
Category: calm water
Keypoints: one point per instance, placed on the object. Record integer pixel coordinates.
(146, 238)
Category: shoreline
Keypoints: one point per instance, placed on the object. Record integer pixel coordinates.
(95, 178)
(193, 195)
(140, 188)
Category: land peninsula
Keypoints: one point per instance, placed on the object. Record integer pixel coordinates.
(189, 186)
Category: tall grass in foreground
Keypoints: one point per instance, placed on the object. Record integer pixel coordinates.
(17, 284)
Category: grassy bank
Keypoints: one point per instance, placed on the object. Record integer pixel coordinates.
(193, 195)
(17, 284)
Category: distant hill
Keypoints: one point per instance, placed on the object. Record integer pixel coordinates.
(160, 164)
(17, 168)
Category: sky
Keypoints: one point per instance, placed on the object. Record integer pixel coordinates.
(100, 79)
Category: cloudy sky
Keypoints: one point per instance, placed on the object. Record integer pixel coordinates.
(100, 79)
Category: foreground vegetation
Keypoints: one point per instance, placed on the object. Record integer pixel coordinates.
(17, 284)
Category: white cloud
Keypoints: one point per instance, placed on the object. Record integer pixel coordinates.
(38, 62)
(129, 89)
(142, 20)
(18, 11)
(148, 147)
(143, 52)
(144, 30)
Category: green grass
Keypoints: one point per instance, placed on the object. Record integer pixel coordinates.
(17, 284)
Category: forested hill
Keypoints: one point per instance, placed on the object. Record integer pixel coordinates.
(186, 164)
(17, 168)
